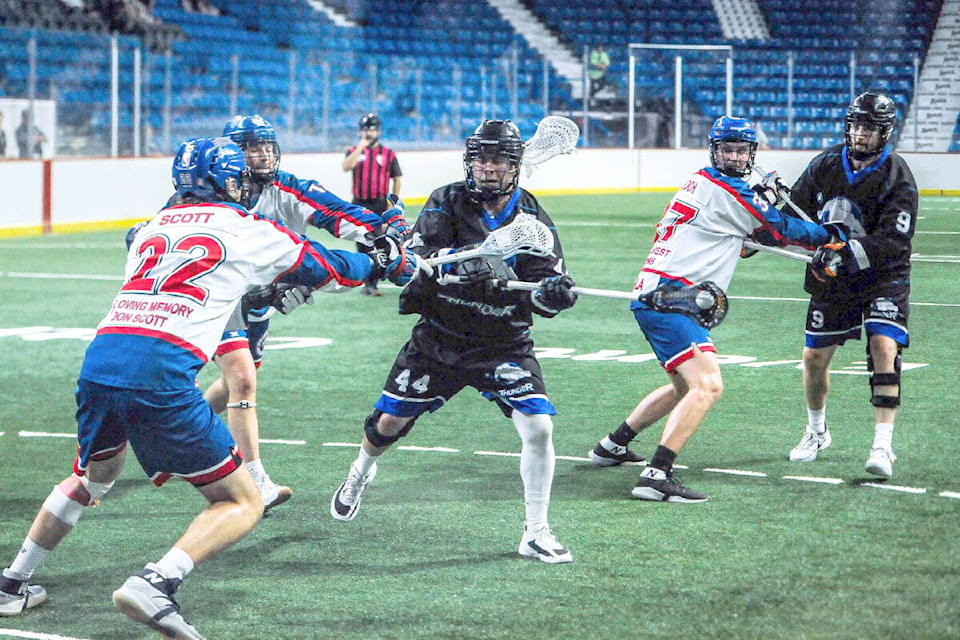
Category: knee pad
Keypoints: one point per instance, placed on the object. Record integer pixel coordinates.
(376, 438)
(69, 498)
(532, 426)
(885, 379)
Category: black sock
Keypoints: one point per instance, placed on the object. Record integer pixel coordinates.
(663, 459)
(624, 435)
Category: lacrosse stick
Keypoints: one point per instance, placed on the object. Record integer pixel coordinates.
(525, 235)
(555, 135)
(705, 302)
(777, 251)
(785, 194)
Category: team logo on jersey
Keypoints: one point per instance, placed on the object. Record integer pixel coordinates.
(510, 372)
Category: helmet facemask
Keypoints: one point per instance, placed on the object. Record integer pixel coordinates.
(870, 122)
(733, 146)
(263, 160)
(733, 157)
(492, 159)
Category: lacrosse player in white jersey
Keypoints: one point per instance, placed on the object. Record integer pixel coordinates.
(186, 271)
(699, 238)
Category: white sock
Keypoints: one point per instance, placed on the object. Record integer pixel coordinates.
(255, 467)
(28, 559)
(611, 446)
(537, 461)
(176, 564)
(817, 419)
(883, 436)
(364, 462)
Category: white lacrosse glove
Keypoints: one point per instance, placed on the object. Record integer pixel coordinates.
(289, 297)
(773, 189)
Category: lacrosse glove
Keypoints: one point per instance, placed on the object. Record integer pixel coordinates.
(392, 262)
(773, 189)
(554, 295)
(396, 226)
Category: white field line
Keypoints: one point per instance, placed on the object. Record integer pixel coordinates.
(812, 479)
(893, 487)
(291, 442)
(43, 434)
(949, 494)
(61, 276)
(17, 633)
(437, 449)
(738, 472)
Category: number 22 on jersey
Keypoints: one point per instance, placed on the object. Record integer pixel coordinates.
(175, 270)
(676, 213)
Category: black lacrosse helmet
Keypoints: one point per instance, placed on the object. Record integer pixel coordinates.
(493, 140)
(876, 111)
(370, 121)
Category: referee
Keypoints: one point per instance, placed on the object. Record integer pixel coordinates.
(373, 166)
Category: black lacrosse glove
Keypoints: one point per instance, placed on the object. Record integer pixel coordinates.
(473, 271)
(555, 294)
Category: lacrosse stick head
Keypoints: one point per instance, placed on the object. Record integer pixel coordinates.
(491, 161)
(525, 235)
(706, 303)
(555, 135)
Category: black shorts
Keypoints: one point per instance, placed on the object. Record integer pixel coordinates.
(882, 309)
(419, 382)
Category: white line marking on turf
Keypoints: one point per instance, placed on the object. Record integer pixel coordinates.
(738, 472)
(295, 442)
(340, 444)
(63, 276)
(949, 494)
(812, 479)
(439, 449)
(496, 453)
(893, 487)
(17, 633)
(42, 434)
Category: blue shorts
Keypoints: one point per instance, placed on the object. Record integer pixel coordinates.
(173, 433)
(672, 336)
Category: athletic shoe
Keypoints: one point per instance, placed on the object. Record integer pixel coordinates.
(542, 545)
(16, 596)
(604, 457)
(272, 494)
(148, 598)
(880, 462)
(659, 486)
(810, 445)
(346, 501)
(370, 289)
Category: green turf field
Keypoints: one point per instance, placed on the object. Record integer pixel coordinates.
(432, 553)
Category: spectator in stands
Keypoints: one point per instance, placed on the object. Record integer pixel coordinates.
(202, 7)
(374, 166)
(3, 138)
(29, 145)
(599, 63)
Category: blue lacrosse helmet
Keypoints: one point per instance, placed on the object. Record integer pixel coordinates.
(248, 131)
(209, 169)
(732, 129)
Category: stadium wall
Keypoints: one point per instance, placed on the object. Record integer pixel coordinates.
(69, 195)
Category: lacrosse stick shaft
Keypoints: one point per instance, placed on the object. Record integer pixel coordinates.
(777, 251)
(519, 285)
(459, 256)
(786, 198)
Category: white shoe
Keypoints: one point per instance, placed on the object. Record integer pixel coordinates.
(880, 462)
(810, 445)
(542, 545)
(272, 494)
(346, 501)
(148, 598)
(16, 597)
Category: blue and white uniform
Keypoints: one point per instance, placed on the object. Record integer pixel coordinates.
(186, 271)
(699, 238)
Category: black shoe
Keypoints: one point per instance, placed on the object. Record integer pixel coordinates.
(660, 487)
(605, 458)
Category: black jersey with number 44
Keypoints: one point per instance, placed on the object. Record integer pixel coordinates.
(473, 314)
(885, 201)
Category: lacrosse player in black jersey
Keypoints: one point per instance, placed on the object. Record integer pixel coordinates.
(471, 332)
(865, 283)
